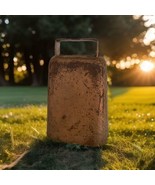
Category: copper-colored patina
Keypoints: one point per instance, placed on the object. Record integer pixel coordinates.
(77, 98)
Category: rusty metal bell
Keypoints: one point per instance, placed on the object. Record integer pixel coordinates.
(77, 97)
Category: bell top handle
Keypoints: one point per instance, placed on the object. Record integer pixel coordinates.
(58, 43)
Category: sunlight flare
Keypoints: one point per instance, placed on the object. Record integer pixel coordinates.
(146, 66)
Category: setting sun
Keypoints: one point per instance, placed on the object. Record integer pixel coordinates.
(146, 66)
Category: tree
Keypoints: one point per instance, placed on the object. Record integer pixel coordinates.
(2, 34)
(116, 35)
(33, 36)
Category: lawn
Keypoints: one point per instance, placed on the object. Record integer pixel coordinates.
(130, 145)
(21, 96)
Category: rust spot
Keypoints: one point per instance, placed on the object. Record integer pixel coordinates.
(89, 141)
(86, 74)
(97, 111)
(74, 126)
(64, 117)
(85, 85)
(92, 68)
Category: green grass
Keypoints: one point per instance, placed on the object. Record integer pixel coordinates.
(19, 96)
(130, 143)
(131, 129)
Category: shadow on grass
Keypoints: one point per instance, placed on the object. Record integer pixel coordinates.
(118, 91)
(47, 155)
(151, 166)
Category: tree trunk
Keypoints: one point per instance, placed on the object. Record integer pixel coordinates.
(36, 73)
(11, 66)
(45, 68)
(2, 73)
(28, 67)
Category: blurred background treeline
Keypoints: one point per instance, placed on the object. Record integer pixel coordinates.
(27, 44)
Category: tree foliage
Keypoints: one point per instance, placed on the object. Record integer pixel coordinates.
(33, 37)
